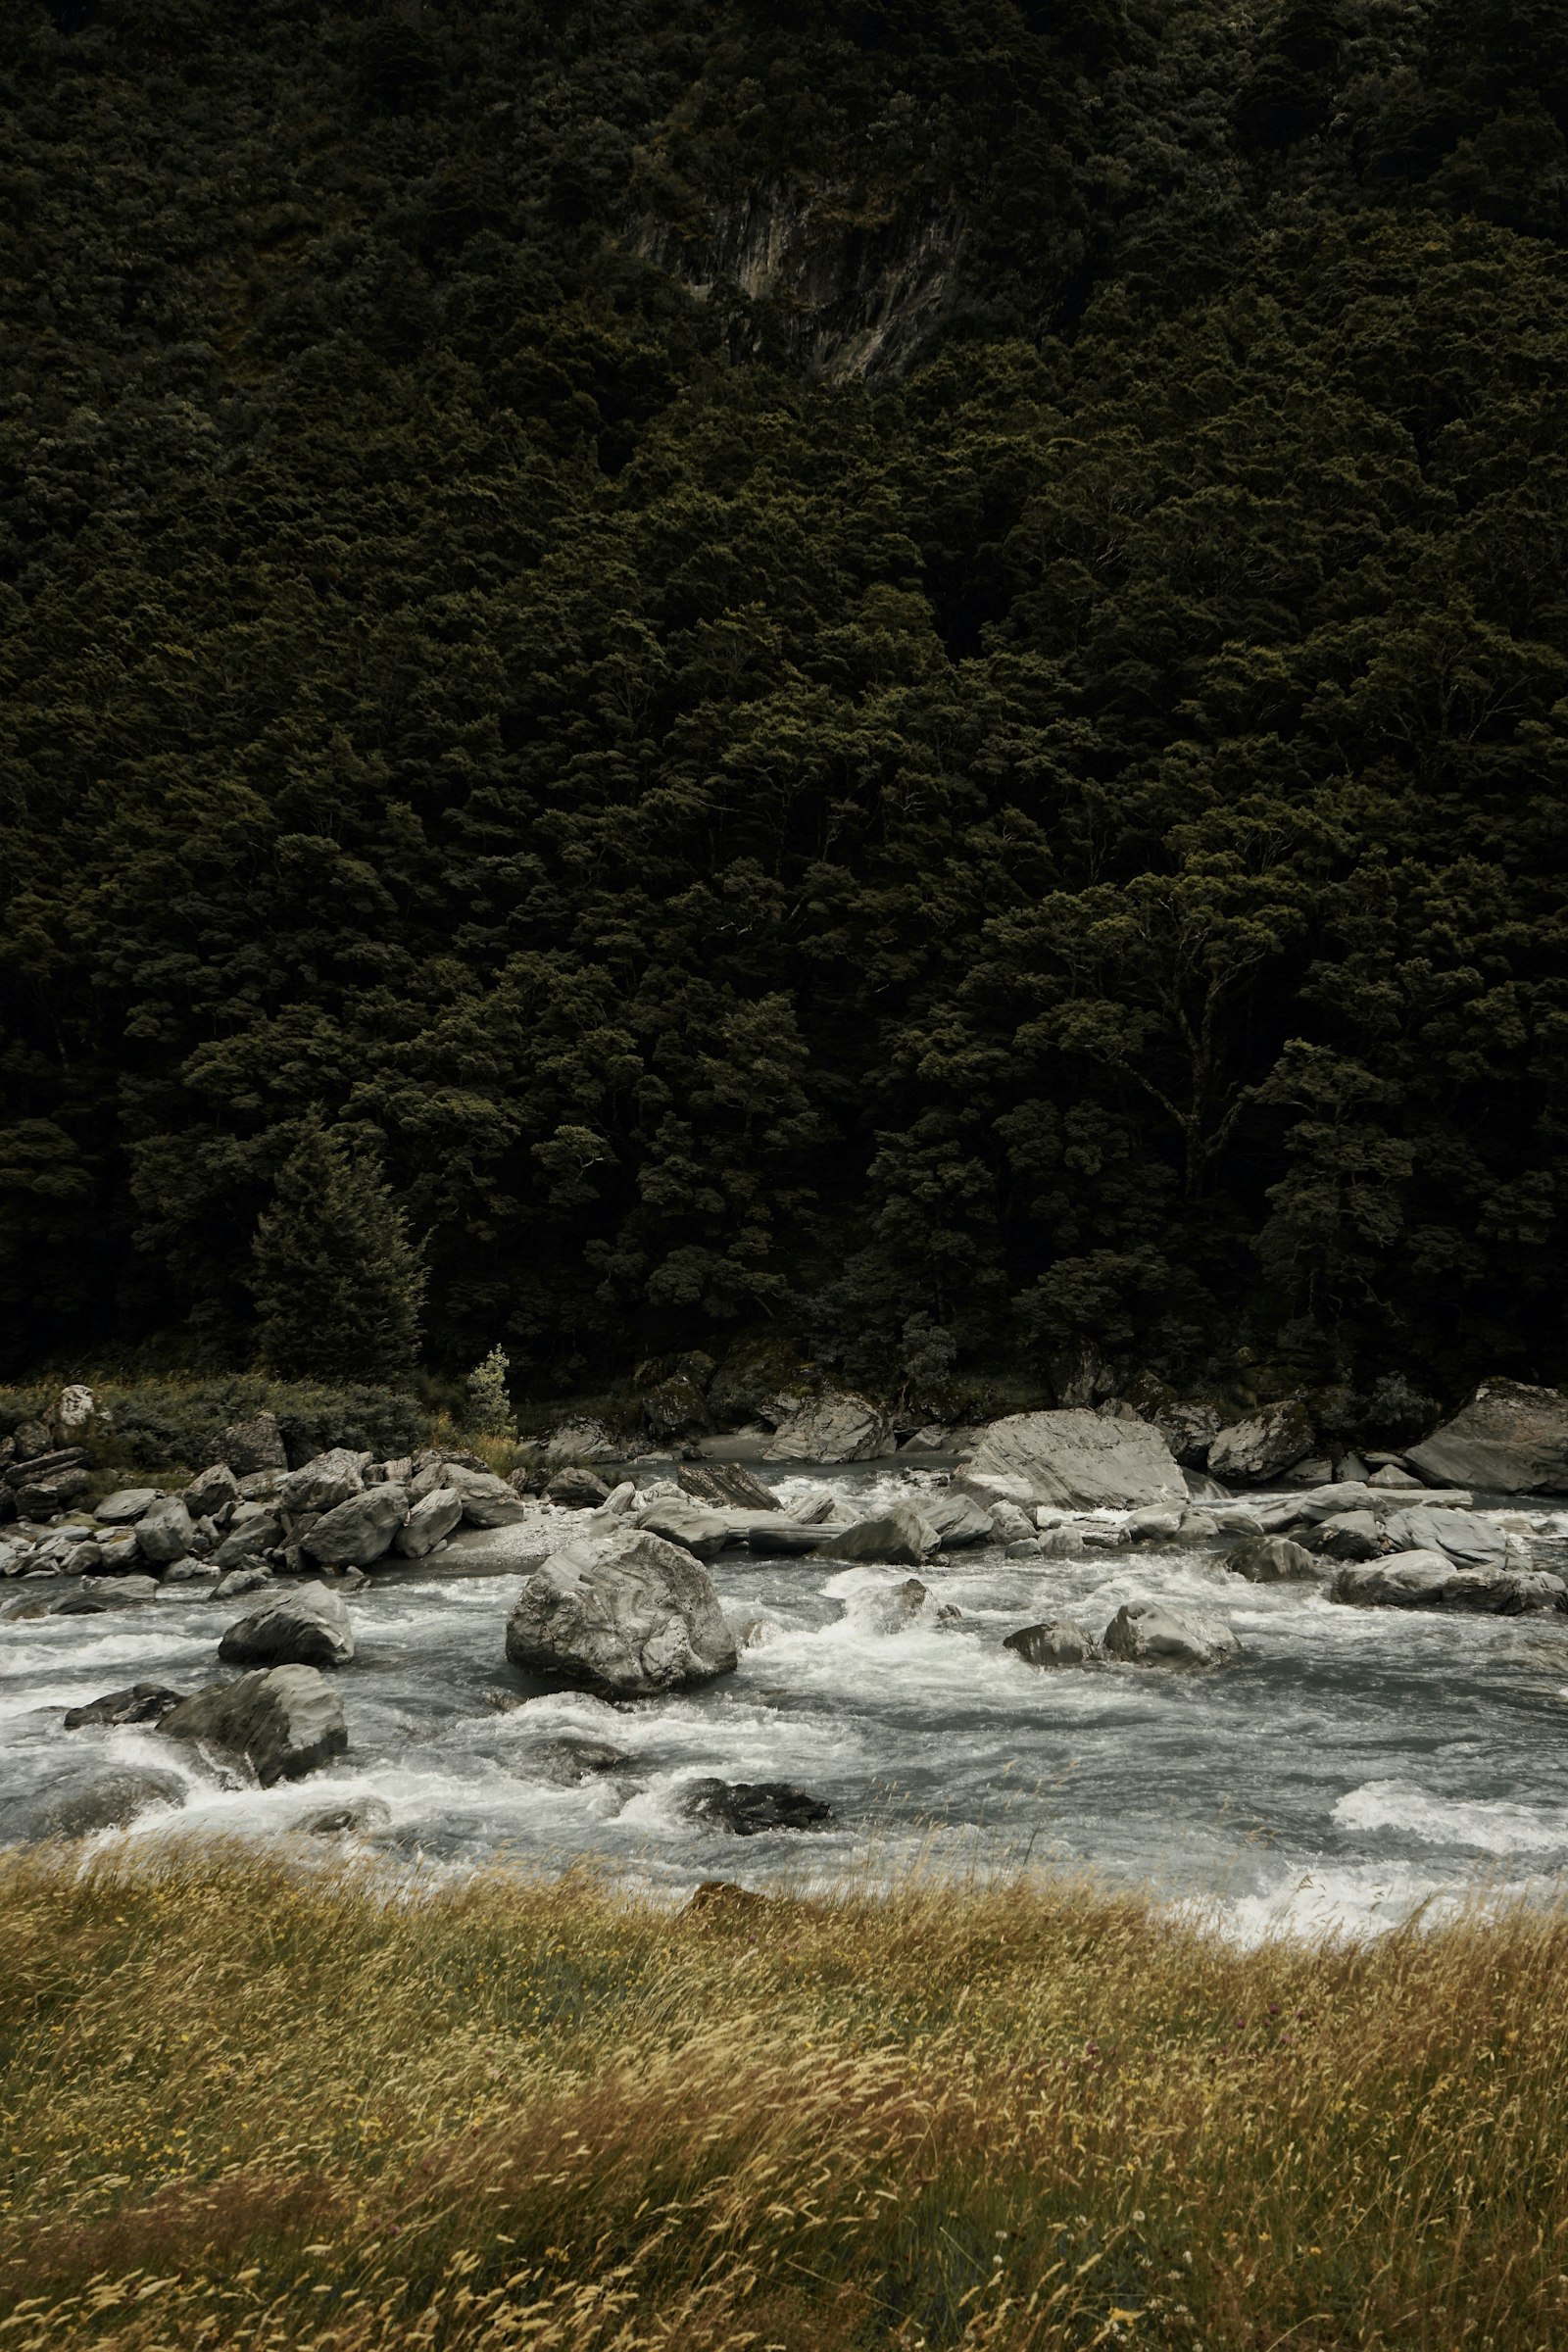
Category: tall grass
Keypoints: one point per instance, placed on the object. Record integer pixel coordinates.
(249, 2106)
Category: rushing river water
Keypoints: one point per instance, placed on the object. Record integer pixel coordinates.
(1351, 1763)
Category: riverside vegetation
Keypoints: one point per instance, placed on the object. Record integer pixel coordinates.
(256, 2108)
(896, 667)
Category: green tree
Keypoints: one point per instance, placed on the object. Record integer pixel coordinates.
(338, 1283)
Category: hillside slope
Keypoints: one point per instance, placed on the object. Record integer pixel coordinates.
(895, 669)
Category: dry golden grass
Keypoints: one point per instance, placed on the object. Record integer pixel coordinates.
(249, 2105)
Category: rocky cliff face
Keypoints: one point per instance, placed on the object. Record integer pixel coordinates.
(844, 284)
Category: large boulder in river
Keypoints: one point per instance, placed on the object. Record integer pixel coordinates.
(1075, 1459)
(899, 1538)
(1430, 1580)
(284, 1721)
(1144, 1634)
(303, 1625)
(1271, 1560)
(1268, 1443)
(722, 1483)
(1059, 1642)
(433, 1518)
(360, 1530)
(1508, 1437)
(1465, 1535)
(109, 1800)
(164, 1532)
(142, 1702)
(750, 1808)
(836, 1427)
(623, 1614)
(693, 1526)
(958, 1519)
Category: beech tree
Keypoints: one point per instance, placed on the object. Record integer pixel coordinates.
(338, 1284)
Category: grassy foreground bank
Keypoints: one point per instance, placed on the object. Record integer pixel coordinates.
(253, 2107)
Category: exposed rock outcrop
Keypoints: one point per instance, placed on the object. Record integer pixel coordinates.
(1509, 1438)
(285, 1721)
(1143, 1634)
(1074, 1459)
(304, 1626)
(836, 1427)
(625, 1614)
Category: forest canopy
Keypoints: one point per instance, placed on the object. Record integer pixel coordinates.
(897, 672)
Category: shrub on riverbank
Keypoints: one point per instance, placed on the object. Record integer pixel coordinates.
(153, 1422)
(256, 2107)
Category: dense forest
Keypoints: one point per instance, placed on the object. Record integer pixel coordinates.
(889, 671)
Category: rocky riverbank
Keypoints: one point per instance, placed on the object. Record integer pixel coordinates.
(1069, 1548)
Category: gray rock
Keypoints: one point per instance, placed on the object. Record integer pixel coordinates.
(1058, 1641)
(112, 1802)
(1328, 1502)
(958, 1520)
(84, 1559)
(1158, 1523)
(902, 1538)
(1507, 1437)
(1009, 1524)
(260, 1486)
(190, 1571)
(253, 1445)
(1268, 1443)
(1143, 1634)
(356, 1817)
(1076, 1460)
(97, 1593)
(674, 1408)
(705, 1532)
(580, 1441)
(750, 1808)
(1316, 1471)
(626, 1614)
(47, 1497)
(321, 1483)
(812, 1510)
(1348, 1536)
(577, 1490)
(1430, 1580)
(1475, 1543)
(74, 1409)
(487, 1501)
(726, 1484)
(432, 1517)
(360, 1530)
(1271, 1560)
(1188, 1429)
(164, 1532)
(125, 1504)
(251, 1576)
(27, 1606)
(285, 1721)
(838, 1426)
(567, 1762)
(207, 1493)
(305, 1626)
(143, 1702)
(1393, 1476)
(254, 1529)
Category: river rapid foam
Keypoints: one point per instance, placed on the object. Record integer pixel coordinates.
(1350, 1765)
